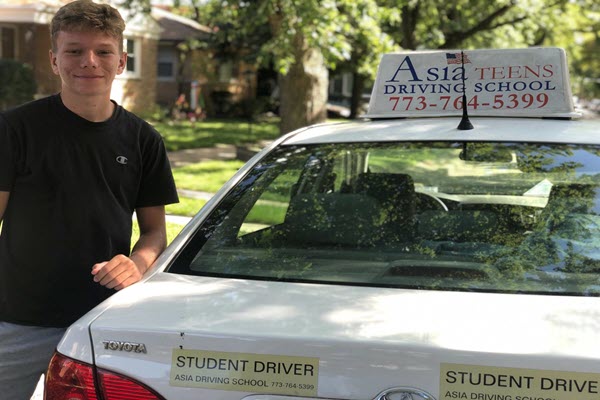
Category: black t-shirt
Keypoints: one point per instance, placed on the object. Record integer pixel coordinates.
(74, 185)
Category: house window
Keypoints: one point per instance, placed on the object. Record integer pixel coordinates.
(133, 47)
(8, 37)
(336, 85)
(225, 71)
(340, 85)
(167, 63)
(348, 84)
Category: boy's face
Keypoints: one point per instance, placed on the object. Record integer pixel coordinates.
(87, 62)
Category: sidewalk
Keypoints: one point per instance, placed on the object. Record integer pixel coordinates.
(190, 156)
(242, 152)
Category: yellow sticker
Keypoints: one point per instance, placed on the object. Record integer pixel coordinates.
(245, 372)
(476, 382)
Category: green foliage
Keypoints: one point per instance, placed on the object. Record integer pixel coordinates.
(172, 231)
(155, 113)
(206, 176)
(188, 135)
(359, 31)
(136, 6)
(352, 34)
(271, 30)
(18, 83)
(187, 206)
(585, 51)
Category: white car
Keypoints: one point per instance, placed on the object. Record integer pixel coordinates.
(388, 259)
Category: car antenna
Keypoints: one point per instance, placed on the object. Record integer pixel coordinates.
(465, 124)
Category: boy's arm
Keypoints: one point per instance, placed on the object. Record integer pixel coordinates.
(122, 271)
(3, 203)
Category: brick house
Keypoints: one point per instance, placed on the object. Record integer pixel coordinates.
(178, 66)
(155, 70)
(216, 82)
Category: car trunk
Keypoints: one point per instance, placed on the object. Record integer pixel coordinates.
(208, 338)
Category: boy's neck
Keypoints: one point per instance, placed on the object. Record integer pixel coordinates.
(94, 109)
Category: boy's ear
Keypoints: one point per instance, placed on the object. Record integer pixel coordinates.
(53, 62)
(122, 63)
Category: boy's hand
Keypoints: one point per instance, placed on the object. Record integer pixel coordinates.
(118, 273)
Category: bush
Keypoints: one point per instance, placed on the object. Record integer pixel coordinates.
(18, 83)
(155, 113)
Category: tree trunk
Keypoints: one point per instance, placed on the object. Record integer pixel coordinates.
(410, 18)
(358, 86)
(303, 90)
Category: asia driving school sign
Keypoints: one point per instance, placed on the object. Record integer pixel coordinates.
(529, 82)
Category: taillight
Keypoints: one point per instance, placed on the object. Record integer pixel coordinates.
(68, 379)
(116, 387)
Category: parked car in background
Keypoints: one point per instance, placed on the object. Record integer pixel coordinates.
(445, 247)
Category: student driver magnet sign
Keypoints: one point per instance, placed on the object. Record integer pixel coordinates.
(245, 372)
(477, 382)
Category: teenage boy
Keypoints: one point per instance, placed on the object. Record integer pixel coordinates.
(73, 168)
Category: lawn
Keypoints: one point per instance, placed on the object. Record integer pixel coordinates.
(206, 176)
(187, 207)
(172, 231)
(182, 135)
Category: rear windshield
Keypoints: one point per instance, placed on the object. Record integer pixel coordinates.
(495, 217)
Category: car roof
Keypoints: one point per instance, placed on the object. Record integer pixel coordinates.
(445, 129)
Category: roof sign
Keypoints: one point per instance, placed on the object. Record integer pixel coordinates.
(532, 82)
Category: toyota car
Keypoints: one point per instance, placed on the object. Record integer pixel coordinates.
(446, 246)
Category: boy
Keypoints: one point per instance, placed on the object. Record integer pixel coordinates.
(73, 168)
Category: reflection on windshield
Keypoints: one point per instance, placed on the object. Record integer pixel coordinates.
(502, 217)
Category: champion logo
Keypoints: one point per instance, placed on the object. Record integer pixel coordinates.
(122, 160)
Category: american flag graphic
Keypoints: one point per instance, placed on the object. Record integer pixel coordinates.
(457, 58)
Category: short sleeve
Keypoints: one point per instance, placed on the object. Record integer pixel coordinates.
(157, 184)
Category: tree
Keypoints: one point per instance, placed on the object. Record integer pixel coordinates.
(467, 24)
(302, 39)
(18, 83)
(302, 71)
(438, 24)
(585, 51)
(363, 31)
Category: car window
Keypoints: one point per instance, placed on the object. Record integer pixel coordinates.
(498, 217)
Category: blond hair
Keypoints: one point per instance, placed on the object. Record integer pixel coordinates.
(85, 16)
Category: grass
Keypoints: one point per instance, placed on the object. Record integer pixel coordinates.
(186, 207)
(207, 176)
(172, 231)
(187, 135)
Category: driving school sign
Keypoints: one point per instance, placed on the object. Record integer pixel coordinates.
(245, 372)
(530, 82)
